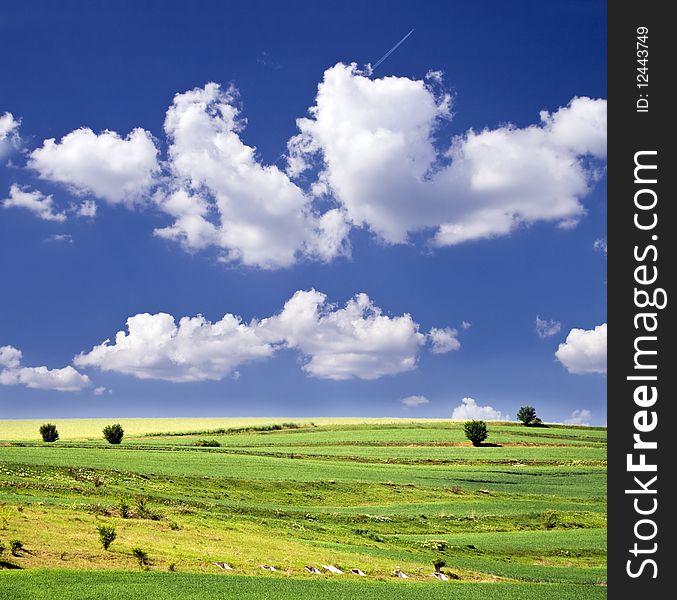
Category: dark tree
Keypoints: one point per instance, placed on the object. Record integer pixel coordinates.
(475, 431)
(113, 433)
(526, 414)
(49, 432)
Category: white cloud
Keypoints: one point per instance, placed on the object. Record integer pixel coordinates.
(38, 203)
(443, 340)
(65, 238)
(42, 378)
(155, 347)
(469, 409)
(9, 133)
(10, 357)
(379, 163)
(584, 350)
(356, 341)
(116, 169)
(225, 197)
(86, 209)
(98, 391)
(466, 325)
(546, 328)
(600, 245)
(581, 416)
(375, 141)
(414, 401)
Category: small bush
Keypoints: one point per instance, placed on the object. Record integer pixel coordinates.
(438, 563)
(550, 519)
(113, 433)
(49, 432)
(2, 548)
(475, 431)
(141, 556)
(174, 526)
(123, 507)
(171, 567)
(107, 534)
(16, 546)
(527, 414)
(5, 513)
(143, 511)
(208, 443)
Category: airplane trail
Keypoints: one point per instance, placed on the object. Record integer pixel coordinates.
(395, 47)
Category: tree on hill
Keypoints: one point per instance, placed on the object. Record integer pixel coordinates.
(475, 431)
(113, 433)
(49, 432)
(527, 414)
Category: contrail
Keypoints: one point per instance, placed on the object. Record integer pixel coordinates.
(395, 47)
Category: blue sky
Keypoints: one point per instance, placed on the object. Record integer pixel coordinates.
(434, 185)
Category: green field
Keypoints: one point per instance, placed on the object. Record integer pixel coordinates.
(523, 518)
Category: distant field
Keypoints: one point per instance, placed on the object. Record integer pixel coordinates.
(82, 429)
(524, 518)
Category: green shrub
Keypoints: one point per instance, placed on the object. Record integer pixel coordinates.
(171, 567)
(141, 556)
(527, 414)
(208, 443)
(49, 432)
(113, 433)
(550, 519)
(5, 513)
(16, 546)
(475, 431)
(107, 534)
(438, 563)
(123, 506)
(2, 548)
(143, 511)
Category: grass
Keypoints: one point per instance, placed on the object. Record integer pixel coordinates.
(168, 586)
(72, 429)
(522, 519)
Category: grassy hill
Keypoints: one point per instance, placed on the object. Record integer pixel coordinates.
(523, 517)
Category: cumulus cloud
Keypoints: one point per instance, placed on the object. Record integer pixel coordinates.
(116, 169)
(9, 133)
(581, 416)
(374, 140)
(41, 205)
(469, 409)
(86, 209)
(443, 340)
(67, 379)
(355, 341)
(546, 328)
(414, 401)
(600, 245)
(10, 357)
(379, 166)
(225, 197)
(584, 350)
(155, 347)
